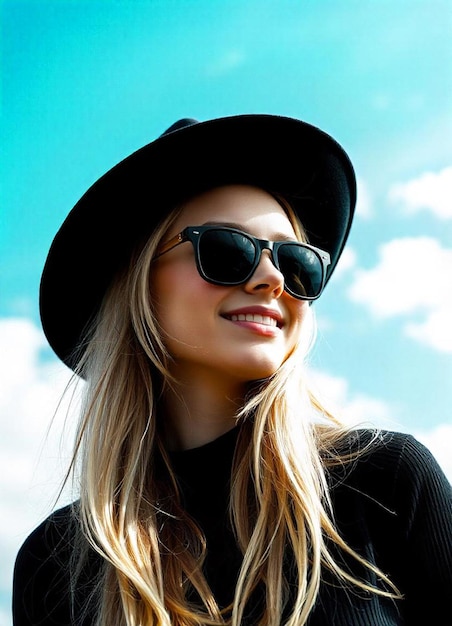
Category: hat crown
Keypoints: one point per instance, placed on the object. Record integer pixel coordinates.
(183, 123)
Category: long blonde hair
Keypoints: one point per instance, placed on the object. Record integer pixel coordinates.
(130, 510)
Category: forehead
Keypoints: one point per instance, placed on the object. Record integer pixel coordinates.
(250, 208)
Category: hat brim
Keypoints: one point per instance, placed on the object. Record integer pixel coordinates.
(280, 154)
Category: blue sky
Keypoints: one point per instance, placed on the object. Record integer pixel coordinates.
(84, 83)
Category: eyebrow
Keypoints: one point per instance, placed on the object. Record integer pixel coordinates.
(276, 236)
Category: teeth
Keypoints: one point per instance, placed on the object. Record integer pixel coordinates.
(254, 317)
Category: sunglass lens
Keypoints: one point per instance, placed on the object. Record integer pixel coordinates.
(302, 269)
(226, 256)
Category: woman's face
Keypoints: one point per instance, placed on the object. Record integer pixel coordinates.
(203, 326)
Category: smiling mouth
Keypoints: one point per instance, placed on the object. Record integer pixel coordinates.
(257, 318)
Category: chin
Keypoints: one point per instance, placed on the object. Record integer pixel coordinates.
(261, 371)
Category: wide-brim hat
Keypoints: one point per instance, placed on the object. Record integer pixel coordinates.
(280, 154)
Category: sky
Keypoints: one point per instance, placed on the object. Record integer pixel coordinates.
(85, 83)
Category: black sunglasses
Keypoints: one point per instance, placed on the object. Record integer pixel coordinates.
(227, 256)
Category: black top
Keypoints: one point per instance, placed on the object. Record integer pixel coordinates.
(393, 506)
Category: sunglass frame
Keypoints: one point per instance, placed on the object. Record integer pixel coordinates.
(193, 234)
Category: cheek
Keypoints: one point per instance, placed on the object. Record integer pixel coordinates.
(181, 296)
(168, 288)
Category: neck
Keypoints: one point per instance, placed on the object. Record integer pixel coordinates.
(197, 412)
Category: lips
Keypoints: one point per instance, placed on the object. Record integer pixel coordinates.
(257, 315)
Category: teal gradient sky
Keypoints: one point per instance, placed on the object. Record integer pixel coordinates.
(84, 83)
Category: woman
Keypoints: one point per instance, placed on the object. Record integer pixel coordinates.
(214, 489)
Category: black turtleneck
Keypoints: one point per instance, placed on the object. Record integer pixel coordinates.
(393, 505)
(204, 476)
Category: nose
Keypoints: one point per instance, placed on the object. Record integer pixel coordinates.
(266, 277)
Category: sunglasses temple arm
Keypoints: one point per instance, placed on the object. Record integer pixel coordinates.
(169, 245)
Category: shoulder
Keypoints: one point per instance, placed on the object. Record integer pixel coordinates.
(398, 454)
(394, 469)
(52, 537)
(392, 503)
(42, 571)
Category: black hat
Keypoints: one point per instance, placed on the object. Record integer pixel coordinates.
(280, 154)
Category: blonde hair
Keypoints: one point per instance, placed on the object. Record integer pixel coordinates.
(130, 508)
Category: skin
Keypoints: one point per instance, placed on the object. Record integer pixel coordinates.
(215, 356)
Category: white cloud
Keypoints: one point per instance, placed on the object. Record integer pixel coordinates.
(364, 202)
(432, 191)
(439, 441)
(436, 330)
(347, 261)
(33, 459)
(412, 278)
(5, 617)
(351, 408)
(358, 409)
